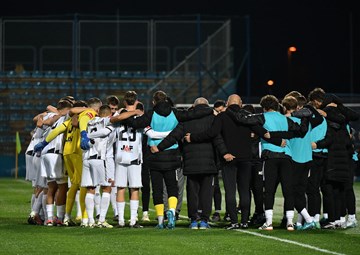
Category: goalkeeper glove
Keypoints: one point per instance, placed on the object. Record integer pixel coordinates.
(40, 146)
(84, 142)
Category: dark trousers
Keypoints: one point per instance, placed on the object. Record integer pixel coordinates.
(333, 199)
(157, 180)
(278, 170)
(349, 192)
(217, 193)
(199, 189)
(300, 180)
(237, 173)
(314, 183)
(145, 190)
(257, 186)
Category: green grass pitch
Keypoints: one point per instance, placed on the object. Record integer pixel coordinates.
(18, 237)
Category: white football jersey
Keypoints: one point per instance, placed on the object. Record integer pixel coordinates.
(98, 131)
(38, 134)
(128, 149)
(56, 145)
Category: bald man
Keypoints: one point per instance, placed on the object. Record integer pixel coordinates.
(236, 158)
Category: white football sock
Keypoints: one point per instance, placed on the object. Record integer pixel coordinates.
(121, 209)
(269, 216)
(89, 205)
(134, 205)
(104, 206)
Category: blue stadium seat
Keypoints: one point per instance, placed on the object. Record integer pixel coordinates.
(63, 74)
(11, 74)
(100, 74)
(127, 86)
(126, 74)
(113, 74)
(162, 74)
(64, 85)
(38, 85)
(114, 86)
(51, 85)
(25, 74)
(13, 85)
(102, 86)
(50, 74)
(25, 95)
(140, 85)
(37, 74)
(39, 95)
(28, 106)
(2, 85)
(26, 85)
(89, 86)
(87, 74)
(151, 75)
(139, 74)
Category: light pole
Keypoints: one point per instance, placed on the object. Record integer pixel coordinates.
(290, 52)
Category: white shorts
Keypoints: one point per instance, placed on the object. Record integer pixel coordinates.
(39, 180)
(92, 172)
(52, 168)
(30, 170)
(109, 172)
(128, 176)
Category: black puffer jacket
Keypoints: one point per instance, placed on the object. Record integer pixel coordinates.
(169, 159)
(340, 149)
(198, 158)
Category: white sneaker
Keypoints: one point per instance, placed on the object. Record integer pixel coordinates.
(145, 217)
(104, 225)
(340, 224)
(351, 223)
(121, 224)
(84, 225)
(68, 222)
(266, 227)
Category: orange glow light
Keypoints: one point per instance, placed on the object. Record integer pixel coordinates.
(270, 82)
(292, 49)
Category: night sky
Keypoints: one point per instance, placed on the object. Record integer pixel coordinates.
(326, 34)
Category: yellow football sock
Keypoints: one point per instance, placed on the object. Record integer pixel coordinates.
(159, 209)
(172, 202)
(82, 195)
(70, 199)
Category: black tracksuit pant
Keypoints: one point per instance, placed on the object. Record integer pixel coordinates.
(199, 189)
(237, 173)
(275, 170)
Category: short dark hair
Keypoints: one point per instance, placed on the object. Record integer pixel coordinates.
(301, 101)
(62, 104)
(159, 96)
(130, 97)
(294, 93)
(105, 110)
(249, 107)
(70, 99)
(317, 94)
(219, 103)
(269, 102)
(113, 100)
(80, 103)
(290, 103)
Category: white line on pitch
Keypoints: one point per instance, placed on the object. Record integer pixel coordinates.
(290, 242)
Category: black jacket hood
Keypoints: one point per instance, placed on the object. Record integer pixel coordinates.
(163, 108)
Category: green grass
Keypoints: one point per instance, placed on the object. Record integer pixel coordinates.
(18, 237)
